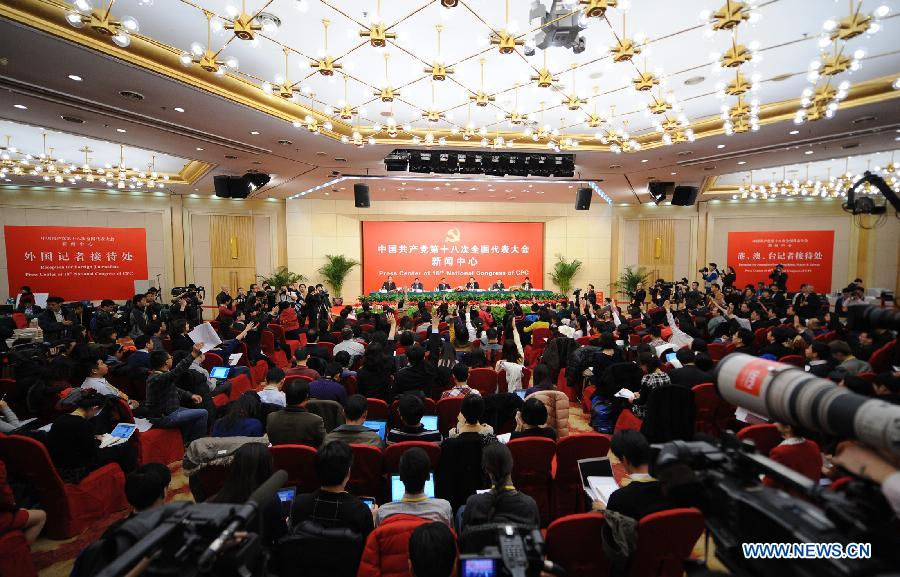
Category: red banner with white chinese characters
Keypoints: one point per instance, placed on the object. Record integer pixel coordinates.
(76, 262)
(805, 254)
(487, 251)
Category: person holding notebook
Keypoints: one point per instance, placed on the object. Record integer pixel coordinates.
(415, 469)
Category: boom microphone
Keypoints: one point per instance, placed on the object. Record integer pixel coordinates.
(258, 499)
(792, 396)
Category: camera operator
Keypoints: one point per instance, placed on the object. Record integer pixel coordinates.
(710, 276)
(187, 302)
(779, 277)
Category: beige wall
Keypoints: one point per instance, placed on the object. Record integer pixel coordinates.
(319, 227)
(177, 246)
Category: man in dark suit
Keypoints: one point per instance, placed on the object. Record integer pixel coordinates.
(443, 285)
(644, 494)
(688, 375)
(418, 375)
(779, 277)
(141, 357)
(527, 285)
(295, 425)
(498, 286)
(389, 284)
(808, 303)
(472, 284)
(818, 359)
(54, 321)
(417, 285)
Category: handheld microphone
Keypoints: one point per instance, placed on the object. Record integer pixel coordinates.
(262, 495)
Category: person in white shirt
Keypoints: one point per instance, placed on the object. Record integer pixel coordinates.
(679, 338)
(272, 392)
(96, 380)
(347, 343)
(565, 330)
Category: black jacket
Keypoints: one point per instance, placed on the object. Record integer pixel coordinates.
(472, 285)
(689, 376)
(389, 286)
(53, 330)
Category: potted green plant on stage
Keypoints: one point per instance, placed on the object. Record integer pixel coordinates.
(628, 280)
(563, 273)
(334, 272)
(282, 277)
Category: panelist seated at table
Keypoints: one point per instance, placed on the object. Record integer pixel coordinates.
(389, 284)
(443, 285)
(498, 286)
(417, 285)
(526, 285)
(472, 284)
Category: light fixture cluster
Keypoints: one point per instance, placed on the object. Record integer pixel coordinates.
(829, 187)
(821, 98)
(205, 57)
(82, 14)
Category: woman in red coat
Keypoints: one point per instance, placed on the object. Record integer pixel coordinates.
(287, 318)
(801, 455)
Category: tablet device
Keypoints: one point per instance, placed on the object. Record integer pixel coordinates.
(669, 356)
(397, 488)
(379, 427)
(521, 393)
(430, 422)
(124, 430)
(286, 496)
(479, 567)
(369, 501)
(219, 372)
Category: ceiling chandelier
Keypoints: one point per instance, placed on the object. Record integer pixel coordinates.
(45, 165)
(387, 93)
(433, 114)
(505, 39)
(731, 15)
(597, 8)
(9, 160)
(543, 131)
(618, 139)
(481, 98)
(544, 78)
(120, 176)
(741, 117)
(625, 48)
(829, 187)
(571, 100)
(326, 64)
(376, 32)
(438, 70)
(205, 57)
(283, 87)
(101, 21)
(516, 117)
(245, 26)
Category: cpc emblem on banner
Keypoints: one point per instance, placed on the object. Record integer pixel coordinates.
(452, 235)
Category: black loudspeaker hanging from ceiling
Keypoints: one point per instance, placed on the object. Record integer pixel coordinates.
(361, 195)
(685, 195)
(583, 199)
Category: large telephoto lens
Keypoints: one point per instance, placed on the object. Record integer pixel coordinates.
(792, 396)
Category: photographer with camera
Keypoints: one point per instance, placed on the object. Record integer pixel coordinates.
(779, 277)
(187, 302)
(710, 276)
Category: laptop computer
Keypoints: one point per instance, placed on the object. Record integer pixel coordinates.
(397, 488)
(219, 372)
(430, 422)
(378, 426)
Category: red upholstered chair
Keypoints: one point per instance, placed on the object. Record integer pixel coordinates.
(366, 473)
(212, 478)
(326, 345)
(290, 378)
(386, 553)
(299, 463)
(562, 384)
(156, 445)
(532, 470)
(717, 351)
(239, 385)
(393, 452)
(759, 336)
(378, 410)
(15, 556)
(827, 337)
(258, 373)
(448, 413)
(568, 494)
(70, 508)
(366, 328)
(566, 545)
(627, 420)
(211, 359)
(350, 385)
(665, 541)
(706, 402)
(267, 342)
(634, 339)
(870, 377)
(20, 319)
(583, 341)
(764, 436)
(539, 337)
(795, 360)
(280, 359)
(881, 359)
(483, 380)
(277, 331)
(167, 344)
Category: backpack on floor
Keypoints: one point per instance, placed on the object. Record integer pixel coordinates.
(602, 416)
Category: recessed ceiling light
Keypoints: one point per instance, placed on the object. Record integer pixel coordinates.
(720, 146)
(20, 106)
(75, 77)
(742, 162)
(673, 173)
(694, 80)
(645, 160)
(539, 191)
(794, 132)
(178, 109)
(254, 132)
(199, 149)
(808, 152)
(121, 130)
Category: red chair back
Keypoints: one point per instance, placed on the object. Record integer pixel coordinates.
(827, 337)
(393, 453)
(267, 342)
(366, 328)
(532, 463)
(539, 337)
(15, 555)
(299, 463)
(627, 420)
(21, 320)
(483, 380)
(795, 360)
(378, 410)
(326, 345)
(448, 413)
(568, 495)
(366, 473)
(239, 385)
(759, 336)
(881, 359)
(211, 359)
(583, 340)
(277, 331)
(870, 377)
(634, 339)
(717, 351)
(386, 553)
(706, 400)
(211, 479)
(665, 541)
(765, 436)
(290, 378)
(566, 539)
(350, 385)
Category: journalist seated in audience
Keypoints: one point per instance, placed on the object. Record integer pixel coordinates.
(531, 421)
(469, 423)
(688, 375)
(96, 380)
(250, 468)
(411, 409)
(301, 356)
(353, 431)
(240, 419)
(328, 387)
(331, 506)
(415, 468)
(295, 425)
(642, 494)
(502, 503)
(74, 446)
(796, 452)
(146, 486)
(432, 551)
(9, 421)
(15, 518)
(272, 393)
(818, 359)
(164, 397)
(887, 387)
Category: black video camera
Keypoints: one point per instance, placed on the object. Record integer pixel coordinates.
(504, 550)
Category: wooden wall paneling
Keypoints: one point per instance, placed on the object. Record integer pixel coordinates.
(656, 247)
(232, 247)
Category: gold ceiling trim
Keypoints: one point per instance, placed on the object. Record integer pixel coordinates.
(193, 171)
(162, 59)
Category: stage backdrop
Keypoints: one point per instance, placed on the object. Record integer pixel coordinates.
(76, 262)
(805, 254)
(457, 250)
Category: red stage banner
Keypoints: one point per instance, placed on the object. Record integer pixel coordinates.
(76, 262)
(457, 250)
(806, 255)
